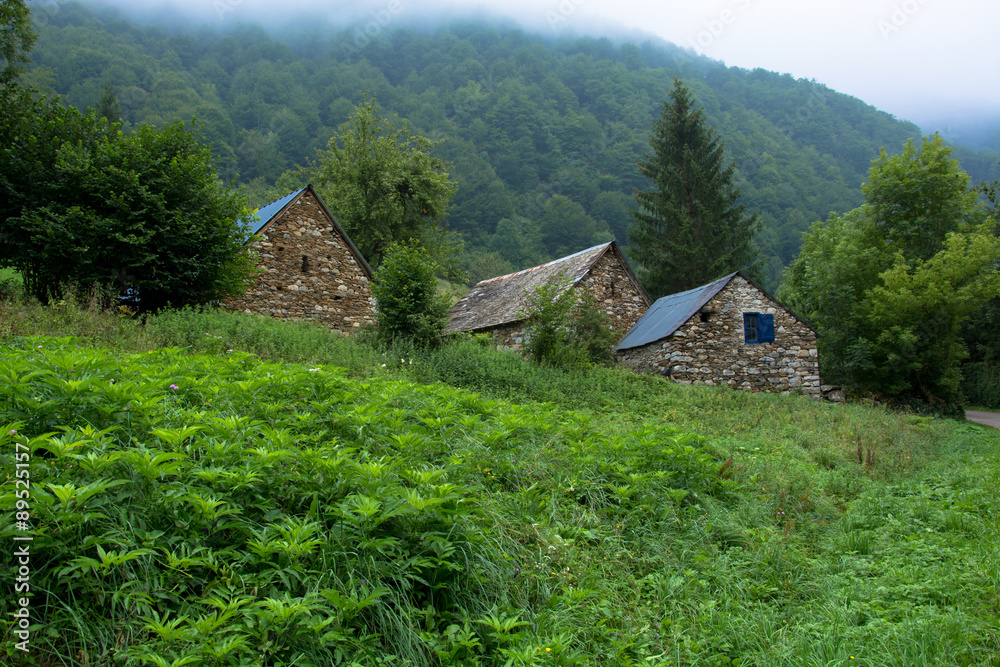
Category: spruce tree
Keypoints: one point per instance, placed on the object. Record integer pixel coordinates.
(691, 228)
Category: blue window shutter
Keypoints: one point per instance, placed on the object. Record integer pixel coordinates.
(765, 328)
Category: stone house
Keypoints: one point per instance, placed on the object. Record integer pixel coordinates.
(310, 268)
(496, 306)
(730, 332)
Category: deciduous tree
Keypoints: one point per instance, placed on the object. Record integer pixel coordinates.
(889, 285)
(87, 205)
(16, 38)
(381, 182)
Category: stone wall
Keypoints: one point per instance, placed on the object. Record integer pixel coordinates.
(616, 295)
(309, 272)
(609, 283)
(710, 348)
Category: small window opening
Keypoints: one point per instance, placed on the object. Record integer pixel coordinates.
(758, 328)
(305, 264)
(704, 316)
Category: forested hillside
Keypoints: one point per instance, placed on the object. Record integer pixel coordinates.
(543, 135)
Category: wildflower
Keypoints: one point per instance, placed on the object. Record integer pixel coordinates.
(174, 387)
(13, 432)
(547, 648)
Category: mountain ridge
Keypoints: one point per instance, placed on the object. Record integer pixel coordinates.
(543, 134)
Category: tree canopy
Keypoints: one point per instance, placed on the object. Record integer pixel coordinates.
(691, 227)
(889, 285)
(16, 39)
(382, 183)
(522, 119)
(87, 205)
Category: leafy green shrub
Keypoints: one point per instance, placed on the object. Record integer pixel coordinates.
(89, 205)
(566, 327)
(231, 511)
(405, 290)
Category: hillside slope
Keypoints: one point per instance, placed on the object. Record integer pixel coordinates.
(521, 118)
(223, 509)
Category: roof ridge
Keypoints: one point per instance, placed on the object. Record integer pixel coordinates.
(277, 199)
(656, 324)
(256, 221)
(543, 265)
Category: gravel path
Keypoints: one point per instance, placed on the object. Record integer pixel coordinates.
(988, 418)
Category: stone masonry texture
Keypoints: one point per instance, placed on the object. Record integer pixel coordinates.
(308, 272)
(610, 285)
(710, 348)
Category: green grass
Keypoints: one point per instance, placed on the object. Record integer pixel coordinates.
(10, 281)
(305, 499)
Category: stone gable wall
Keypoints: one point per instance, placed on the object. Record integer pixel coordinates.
(616, 295)
(715, 352)
(309, 272)
(609, 283)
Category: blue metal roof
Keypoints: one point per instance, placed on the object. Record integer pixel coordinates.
(667, 315)
(256, 221)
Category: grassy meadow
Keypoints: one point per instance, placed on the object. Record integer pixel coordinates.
(215, 489)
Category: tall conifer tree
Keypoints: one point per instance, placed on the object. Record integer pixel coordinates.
(691, 228)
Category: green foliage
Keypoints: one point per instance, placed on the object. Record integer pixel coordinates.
(16, 38)
(485, 265)
(889, 285)
(522, 121)
(566, 327)
(199, 506)
(916, 198)
(90, 206)
(566, 228)
(381, 182)
(407, 301)
(981, 332)
(691, 228)
(108, 106)
(981, 384)
(920, 310)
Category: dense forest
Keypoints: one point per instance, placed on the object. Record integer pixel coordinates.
(543, 135)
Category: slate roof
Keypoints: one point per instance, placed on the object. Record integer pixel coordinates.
(500, 300)
(256, 222)
(668, 313)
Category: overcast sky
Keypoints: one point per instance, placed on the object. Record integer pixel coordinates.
(921, 60)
